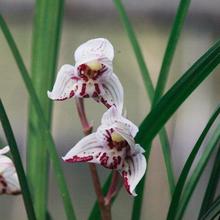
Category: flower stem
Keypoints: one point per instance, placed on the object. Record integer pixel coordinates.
(105, 209)
(112, 189)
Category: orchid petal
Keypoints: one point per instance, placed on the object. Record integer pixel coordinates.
(114, 94)
(113, 115)
(113, 119)
(86, 150)
(96, 49)
(133, 171)
(65, 84)
(11, 179)
(5, 162)
(4, 150)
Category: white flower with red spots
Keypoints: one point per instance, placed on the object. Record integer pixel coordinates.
(92, 76)
(9, 183)
(113, 147)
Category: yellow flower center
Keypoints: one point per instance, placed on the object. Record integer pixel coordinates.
(116, 137)
(94, 65)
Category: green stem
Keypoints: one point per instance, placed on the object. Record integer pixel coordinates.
(18, 163)
(47, 26)
(43, 122)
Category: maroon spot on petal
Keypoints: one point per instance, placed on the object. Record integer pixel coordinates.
(115, 162)
(97, 89)
(98, 155)
(61, 99)
(119, 159)
(83, 90)
(103, 101)
(126, 184)
(104, 160)
(15, 193)
(72, 93)
(75, 78)
(95, 94)
(75, 159)
(4, 184)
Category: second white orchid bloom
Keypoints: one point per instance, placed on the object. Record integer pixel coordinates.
(9, 183)
(92, 76)
(113, 147)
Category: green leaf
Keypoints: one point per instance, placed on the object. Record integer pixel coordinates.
(212, 186)
(43, 122)
(170, 102)
(177, 94)
(197, 172)
(213, 210)
(46, 35)
(183, 176)
(137, 50)
(171, 47)
(18, 163)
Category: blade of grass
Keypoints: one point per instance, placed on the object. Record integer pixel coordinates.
(213, 210)
(43, 122)
(46, 35)
(197, 172)
(150, 91)
(137, 50)
(177, 94)
(18, 163)
(171, 47)
(185, 171)
(212, 186)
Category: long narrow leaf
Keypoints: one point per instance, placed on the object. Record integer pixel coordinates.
(137, 50)
(213, 210)
(47, 25)
(18, 163)
(212, 186)
(177, 94)
(171, 47)
(183, 176)
(197, 172)
(170, 102)
(43, 122)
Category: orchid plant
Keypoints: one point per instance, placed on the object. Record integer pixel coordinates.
(112, 145)
(117, 144)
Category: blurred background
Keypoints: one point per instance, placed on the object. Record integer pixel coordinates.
(84, 20)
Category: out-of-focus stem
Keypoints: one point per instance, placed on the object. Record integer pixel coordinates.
(105, 209)
(112, 189)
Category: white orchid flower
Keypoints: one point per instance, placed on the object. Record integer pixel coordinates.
(9, 183)
(92, 76)
(113, 147)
